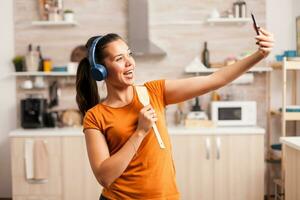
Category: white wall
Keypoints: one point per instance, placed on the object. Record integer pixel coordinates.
(281, 22)
(8, 96)
(296, 13)
(296, 7)
(281, 16)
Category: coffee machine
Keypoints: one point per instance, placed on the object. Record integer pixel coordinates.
(33, 111)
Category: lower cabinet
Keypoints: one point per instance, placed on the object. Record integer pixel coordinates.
(78, 179)
(292, 173)
(227, 167)
(70, 175)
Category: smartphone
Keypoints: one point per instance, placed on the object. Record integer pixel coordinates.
(254, 24)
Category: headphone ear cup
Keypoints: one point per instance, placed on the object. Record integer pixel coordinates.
(99, 72)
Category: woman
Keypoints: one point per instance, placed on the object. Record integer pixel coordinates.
(123, 151)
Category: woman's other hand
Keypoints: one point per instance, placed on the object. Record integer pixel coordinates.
(147, 117)
(265, 41)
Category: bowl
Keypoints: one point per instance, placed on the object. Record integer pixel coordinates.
(290, 53)
(279, 58)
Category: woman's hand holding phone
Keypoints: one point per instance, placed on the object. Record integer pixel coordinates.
(265, 39)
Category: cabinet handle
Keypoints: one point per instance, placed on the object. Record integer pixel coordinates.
(218, 142)
(207, 147)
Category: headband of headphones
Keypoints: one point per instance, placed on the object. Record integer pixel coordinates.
(98, 71)
(92, 50)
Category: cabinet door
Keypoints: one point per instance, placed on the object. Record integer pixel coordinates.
(20, 185)
(292, 173)
(79, 181)
(194, 166)
(239, 167)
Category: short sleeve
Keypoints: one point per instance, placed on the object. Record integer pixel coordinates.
(90, 121)
(157, 88)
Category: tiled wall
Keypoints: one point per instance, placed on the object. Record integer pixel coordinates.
(182, 42)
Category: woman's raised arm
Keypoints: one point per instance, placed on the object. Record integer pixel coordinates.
(183, 89)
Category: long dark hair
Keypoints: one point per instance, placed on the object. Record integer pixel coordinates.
(87, 95)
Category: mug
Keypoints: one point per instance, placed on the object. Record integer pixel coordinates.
(72, 67)
(27, 84)
(39, 82)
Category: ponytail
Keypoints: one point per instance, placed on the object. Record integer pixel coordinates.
(87, 95)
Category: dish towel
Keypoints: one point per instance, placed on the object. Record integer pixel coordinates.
(36, 160)
(41, 160)
(29, 158)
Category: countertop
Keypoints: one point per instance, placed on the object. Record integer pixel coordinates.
(293, 142)
(233, 130)
(173, 130)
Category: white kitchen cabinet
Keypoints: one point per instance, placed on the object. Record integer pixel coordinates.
(292, 175)
(291, 164)
(193, 166)
(79, 181)
(227, 167)
(70, 175)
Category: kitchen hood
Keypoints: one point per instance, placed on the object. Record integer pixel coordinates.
(138, 30)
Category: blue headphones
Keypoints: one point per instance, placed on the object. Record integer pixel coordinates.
(98, 71)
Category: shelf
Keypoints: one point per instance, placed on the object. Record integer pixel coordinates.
(279, 182)
(199, 22)
(292, 116)
(293, 65)
(196, 66)
(179, 22)
(211, 70)
(228, 20)
(54, 23)
(273, 161)
(43, 74)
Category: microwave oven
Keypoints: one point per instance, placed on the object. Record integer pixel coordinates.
(233, 113)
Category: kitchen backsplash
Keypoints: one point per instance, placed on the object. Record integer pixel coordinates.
(181, 41)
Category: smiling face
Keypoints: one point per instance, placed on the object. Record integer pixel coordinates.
(119, 64)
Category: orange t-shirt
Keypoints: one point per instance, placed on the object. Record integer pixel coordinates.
(150, 175)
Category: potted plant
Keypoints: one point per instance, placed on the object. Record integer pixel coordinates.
(18, 63)
(69, 15)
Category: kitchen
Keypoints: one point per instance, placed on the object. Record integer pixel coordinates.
(178, 31)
